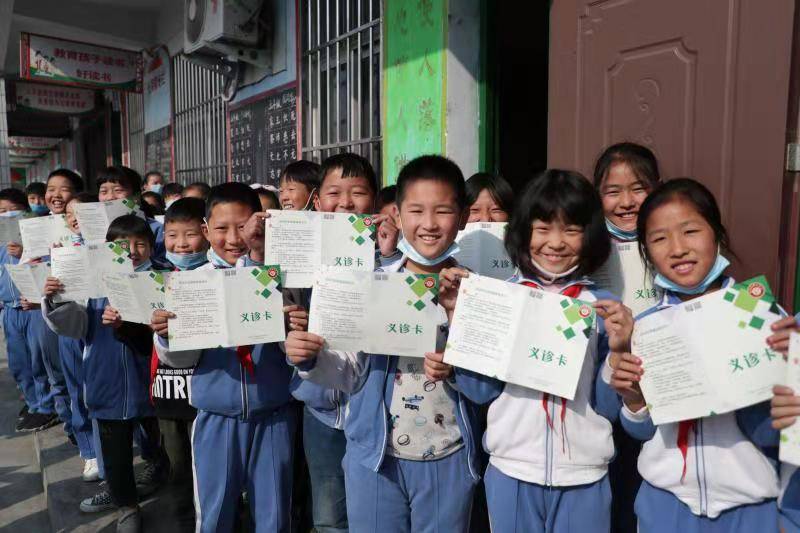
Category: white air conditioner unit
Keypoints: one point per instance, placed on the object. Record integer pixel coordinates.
(222, 27)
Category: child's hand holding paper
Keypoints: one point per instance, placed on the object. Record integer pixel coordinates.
(303, 347)
(111, 317)
(159, 323)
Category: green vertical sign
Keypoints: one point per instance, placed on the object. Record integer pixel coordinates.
(414, 81)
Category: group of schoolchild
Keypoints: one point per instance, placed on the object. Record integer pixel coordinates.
(220, 423)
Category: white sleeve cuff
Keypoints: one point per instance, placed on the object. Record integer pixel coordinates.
(606, 371)
(638, 416)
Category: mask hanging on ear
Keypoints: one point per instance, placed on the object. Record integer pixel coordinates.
(39, 209)
(547, 277)
(621, 234)
(147, 265)
(216, 260)
(309, 201)
(411, 253)
(187, 261)
(719, 266)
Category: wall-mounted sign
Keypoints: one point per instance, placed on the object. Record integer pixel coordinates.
(157, 107)
(74, 63)
(39, 143)
(26, 152)
(54, 99)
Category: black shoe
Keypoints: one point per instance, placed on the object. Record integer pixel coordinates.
(25, 423)
(72, 439)
(98, 503)
(23, 411)
(38, 422)
(152, 476)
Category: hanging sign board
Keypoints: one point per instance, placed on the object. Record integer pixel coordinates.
(73, 63)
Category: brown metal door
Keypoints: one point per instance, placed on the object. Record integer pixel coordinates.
(704, 83)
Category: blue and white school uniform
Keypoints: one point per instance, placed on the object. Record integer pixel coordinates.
(789, 499)
(715, 474)
(159, 254)
(411, 461)
(242, 437)
(548, 457)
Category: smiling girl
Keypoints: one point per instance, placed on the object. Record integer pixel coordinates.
(540, 476)
(710, 474)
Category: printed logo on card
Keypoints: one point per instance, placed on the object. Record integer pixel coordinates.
(579, 317)
(364, 229)
(756, 290)
(121, 251)
(755, 299)
(425, 289)
(158, 278)
(268, 277)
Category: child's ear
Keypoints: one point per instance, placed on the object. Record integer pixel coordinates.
(204, 228)
(316, 201)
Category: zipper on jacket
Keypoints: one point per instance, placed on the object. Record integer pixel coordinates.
(338, 407)
(243, 374)
(125, 383)
(468, 439)
(548, 449)
(702, 479)
(383, 412)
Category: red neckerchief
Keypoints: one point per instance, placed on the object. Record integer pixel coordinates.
(245, 355)
(683, 440)
(573, 291)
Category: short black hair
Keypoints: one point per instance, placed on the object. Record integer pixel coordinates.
(498, 188)
(15, 196)
(85, 197)
(186, 210)
(160, 207)
(687, 190)
(124, 176)
(436, 168)
(37, 187)
(130, 226)
(262, 191)
(564, 195)
(74, 179)
(388, 195)
(640, 159)
(304, 172)
(232, 193)
(202, 186)
(172, 188)
(352, 165)
(153, 173)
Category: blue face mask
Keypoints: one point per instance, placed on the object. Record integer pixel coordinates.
(156, 188)
(187, 261)
(216, 260)
(147, 265)
(408, 251)
(619, 233)
(720, 264)
(39, 209)
(10, 214)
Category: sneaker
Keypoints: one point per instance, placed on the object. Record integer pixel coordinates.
(40, 421)
(152, 476)
(36, 422)
(98, 503)
(91, 472)
(25, 423)
(129, 520)
(23, 411)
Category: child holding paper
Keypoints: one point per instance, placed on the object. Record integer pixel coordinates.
(242, 435)
(71, 352)
(712, 474)
(116, 381)
(348, 185)
(116, 183)
(187, 249)
(490, 198)
(545, 478)
(405, 473)
(299, 185)
(624, 175)
(16, 326)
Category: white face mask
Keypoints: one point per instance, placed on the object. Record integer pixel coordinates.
(547, 277)
(411, 253)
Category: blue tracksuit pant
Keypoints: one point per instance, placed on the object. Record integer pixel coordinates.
(15, 326)
(519, 507)
(71, 351)
(48, 377)
(406, 496)
(230, 455)
(659, 511)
